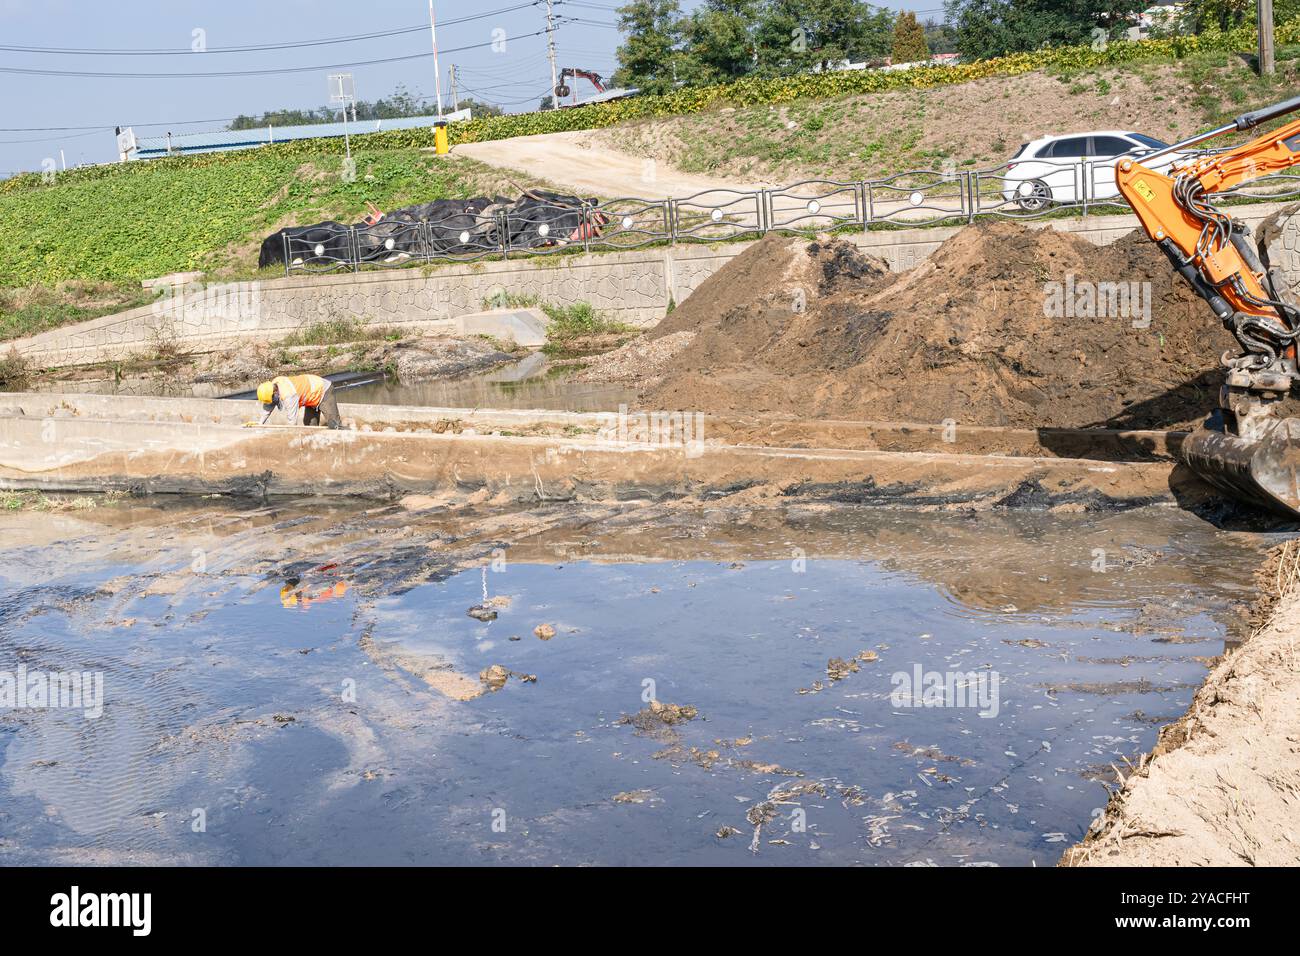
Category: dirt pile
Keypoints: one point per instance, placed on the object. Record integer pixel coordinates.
(1002, 325)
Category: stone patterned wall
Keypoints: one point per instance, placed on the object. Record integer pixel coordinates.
(634, 287)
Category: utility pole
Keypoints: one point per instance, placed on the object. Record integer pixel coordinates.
(550, 53)
(1264, 15)
(455, 95)
(437, 73)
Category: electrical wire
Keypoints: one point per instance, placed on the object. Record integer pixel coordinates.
(261, 47)
(50, 139)
(272, 72)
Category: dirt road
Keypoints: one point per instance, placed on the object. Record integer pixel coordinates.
(570, 160)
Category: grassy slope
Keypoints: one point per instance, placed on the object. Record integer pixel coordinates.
(109, 233)
(972, 125)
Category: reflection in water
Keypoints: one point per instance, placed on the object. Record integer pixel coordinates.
(361, 730)
(296, 597)
(533, 387)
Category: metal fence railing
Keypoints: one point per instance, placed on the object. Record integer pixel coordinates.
(1017, 189)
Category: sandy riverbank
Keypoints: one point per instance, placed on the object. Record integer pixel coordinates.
(1222, 787)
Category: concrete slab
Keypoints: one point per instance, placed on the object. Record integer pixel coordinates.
(526, 327)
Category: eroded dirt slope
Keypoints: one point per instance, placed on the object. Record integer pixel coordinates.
(995, 328)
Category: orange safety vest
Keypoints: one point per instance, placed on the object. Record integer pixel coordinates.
(309, 388)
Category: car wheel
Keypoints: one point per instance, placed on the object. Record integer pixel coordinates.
(1033, 195)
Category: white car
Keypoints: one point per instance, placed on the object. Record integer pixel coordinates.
(1064, 169)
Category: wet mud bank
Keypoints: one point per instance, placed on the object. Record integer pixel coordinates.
(1222, 785)
(101, 443)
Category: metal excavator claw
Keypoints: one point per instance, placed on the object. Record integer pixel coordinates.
(1246, 448)
(1264, 471)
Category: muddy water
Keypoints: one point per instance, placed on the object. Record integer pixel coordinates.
(284, 685)
(530, 383)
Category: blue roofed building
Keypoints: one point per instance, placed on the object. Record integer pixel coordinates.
(213, 141)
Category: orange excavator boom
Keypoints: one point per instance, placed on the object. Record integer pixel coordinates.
(1244, 448)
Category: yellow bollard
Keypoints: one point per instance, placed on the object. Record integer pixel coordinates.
(440, 138)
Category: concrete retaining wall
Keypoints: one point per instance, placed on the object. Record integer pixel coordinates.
(634, 287)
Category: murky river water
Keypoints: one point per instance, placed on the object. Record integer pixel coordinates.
(529, 383)
(281, 685)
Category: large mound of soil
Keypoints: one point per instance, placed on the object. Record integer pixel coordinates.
(1002, 325)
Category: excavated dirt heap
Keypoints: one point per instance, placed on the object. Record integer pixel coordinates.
(1002, 325)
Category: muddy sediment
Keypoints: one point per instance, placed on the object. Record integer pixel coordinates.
(1002, 325)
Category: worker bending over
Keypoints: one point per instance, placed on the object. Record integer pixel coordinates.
(309, 394)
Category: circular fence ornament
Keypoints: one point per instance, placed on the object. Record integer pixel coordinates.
(716, 215)
(814, 206)
(916, 199)
(319, 250)
(543, 230)
(464, 238)
(627, 222)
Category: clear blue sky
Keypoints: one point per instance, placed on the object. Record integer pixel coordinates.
(516, 77)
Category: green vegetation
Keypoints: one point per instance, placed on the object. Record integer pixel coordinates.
(338, 331)
(570, 321)
(401, 103)
(37, 501)
(37, 308)
(909, 40)
(501, 299)
(568, 324)
(14, 371)
(139, 220)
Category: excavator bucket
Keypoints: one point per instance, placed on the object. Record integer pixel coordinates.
(1264, 472)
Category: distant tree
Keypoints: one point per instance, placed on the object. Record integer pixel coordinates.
(401, 103)
(797, 35)
(988, 28)
(909, 40)
(718, 41)
(940, 37)
(649, 53)
(1196, 16)
(479, 108)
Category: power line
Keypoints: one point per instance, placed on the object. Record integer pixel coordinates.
(225, 73)
(258, 47)
(51, 139)
(589, 23)
(53, 129)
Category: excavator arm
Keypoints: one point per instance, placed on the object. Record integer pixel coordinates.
(1245, 448)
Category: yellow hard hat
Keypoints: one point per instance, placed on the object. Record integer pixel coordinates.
(265, 392)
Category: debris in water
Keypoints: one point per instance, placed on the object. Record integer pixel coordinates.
(544, 631)
(495, 677)
(633, 796)
(837, 669)
(659, 715)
